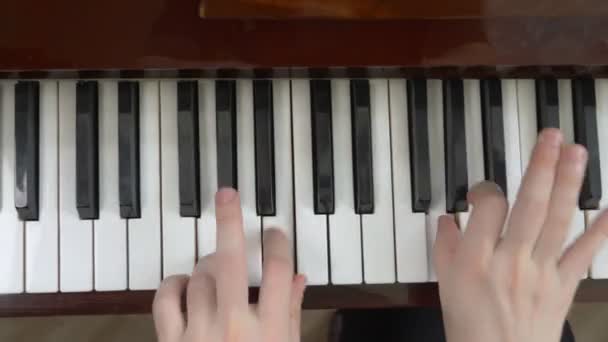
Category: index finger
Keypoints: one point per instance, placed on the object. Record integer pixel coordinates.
(231, 276)
(532, 203)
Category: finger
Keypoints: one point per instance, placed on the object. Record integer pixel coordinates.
(231, 282)
(277, 276)
(167, 309)
(530, 207)
(564, 200)
(578, 257)
(486, 220)
(201, 302)
(447, 242)
(297, 295)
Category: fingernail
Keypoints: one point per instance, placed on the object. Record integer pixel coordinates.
(225, 195)
(551, 136)
(498, 188)
(490, 186)
(578, 153)
(303, 279)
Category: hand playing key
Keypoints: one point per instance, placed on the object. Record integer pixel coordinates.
(518, 287)
(217, 292)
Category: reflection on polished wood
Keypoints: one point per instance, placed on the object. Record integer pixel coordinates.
(316, 297)
(117, 36)
(399, 9)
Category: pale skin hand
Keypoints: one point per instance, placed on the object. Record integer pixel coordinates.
(518, 287)
(217, 292)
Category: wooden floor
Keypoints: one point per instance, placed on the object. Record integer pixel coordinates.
(589, 323)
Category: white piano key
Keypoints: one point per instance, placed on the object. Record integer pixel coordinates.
(528, 126)
(377, 228)
(145, 232)
(178, 233)
(283, 219)
(599, 268)
(42, 238)
(75, 235)
(512, 139)
(11, 241)
(208, 149)
(566, 123)
(246, 179)
(410, 227)
(474, 140)
(110, 235)
(344, 224)
(311, 229)
(437, 159)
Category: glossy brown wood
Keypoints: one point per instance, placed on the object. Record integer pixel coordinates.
(398, 9)
(316, 297)
(166, 38)
(73, 37)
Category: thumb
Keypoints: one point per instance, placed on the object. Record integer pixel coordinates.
(297, 295)
(167, 312)
(446, 243)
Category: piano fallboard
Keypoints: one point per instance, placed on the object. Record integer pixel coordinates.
(168, 38)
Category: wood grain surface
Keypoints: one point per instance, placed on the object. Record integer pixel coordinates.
(399, 9)
(73, 37)
(316, 297)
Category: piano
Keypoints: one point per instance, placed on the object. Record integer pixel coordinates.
(119, 120)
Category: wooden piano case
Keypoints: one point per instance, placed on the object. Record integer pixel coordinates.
(263, 38)
(164, 38)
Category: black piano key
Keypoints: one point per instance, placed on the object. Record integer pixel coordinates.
(188, 153)
(264, 148)
(363, 174)
(225, 100)
(547, 103)
(456, 176)
(322, 146)
(586, 134)
(27, 142)
(128, 149)
(87, 150)
(493, 132)
(420, 167)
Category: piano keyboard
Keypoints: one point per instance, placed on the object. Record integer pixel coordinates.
(108, 185)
